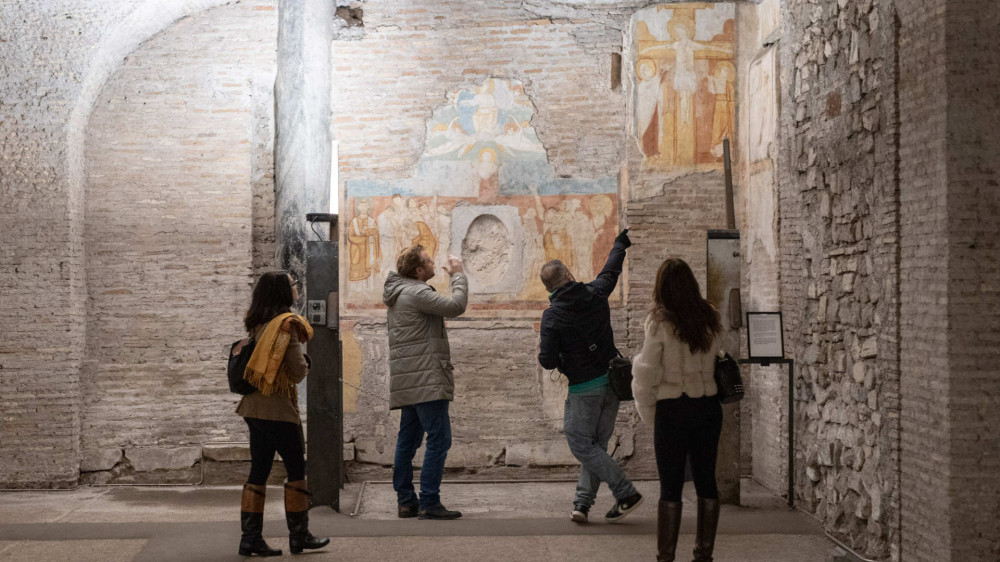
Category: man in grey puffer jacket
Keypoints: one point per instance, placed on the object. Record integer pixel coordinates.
(421, 381)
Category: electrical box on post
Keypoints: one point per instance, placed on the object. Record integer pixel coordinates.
(317, 312)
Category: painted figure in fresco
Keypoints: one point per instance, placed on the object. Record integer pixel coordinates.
(678, 127)
(488, 172)
(534, 252)
(582, 236)
(685, 84)
(364, 245)
(454, 137)
(519, 138)
(649, 106)
(576, 337)
(442, 221)
(601, 208)
(485, 111)
(555, 230)
(721, 86)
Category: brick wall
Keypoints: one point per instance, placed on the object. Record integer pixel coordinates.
(973, 139)
(170, 154)
(923, 284)
(46, 52)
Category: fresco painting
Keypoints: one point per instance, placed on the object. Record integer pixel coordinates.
(684, 83)
(481, 153)
(762, 106)
(768, 19)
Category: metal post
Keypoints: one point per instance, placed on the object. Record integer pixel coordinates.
(791, 433)
(324, 392)
(728, 168)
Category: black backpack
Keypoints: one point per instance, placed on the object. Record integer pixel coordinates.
(239, 357)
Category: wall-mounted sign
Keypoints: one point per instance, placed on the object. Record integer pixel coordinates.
(764, 335)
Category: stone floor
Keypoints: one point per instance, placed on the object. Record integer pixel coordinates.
(503, 521)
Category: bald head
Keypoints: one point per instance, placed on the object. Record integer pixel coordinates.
(554, 275)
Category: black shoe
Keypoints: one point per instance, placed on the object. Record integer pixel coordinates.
(307, 541)
(408, 510)
(438, 512)
(624, 507)
(256, 545)
(579, 514)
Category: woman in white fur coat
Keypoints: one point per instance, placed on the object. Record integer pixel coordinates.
(674, 388)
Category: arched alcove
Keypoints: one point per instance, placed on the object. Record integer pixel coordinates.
(173, 149)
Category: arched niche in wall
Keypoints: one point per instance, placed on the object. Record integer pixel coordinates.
(169, 151)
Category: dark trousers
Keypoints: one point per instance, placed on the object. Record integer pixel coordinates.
(431, 418)
(687, 427)
(268, 437)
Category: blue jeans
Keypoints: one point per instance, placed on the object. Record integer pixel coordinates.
(588, 423)
(431, 418)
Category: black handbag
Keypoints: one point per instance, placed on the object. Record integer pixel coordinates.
(728, 379)
(239, 357)
(620, 377)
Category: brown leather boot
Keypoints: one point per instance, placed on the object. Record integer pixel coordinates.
(668, 526)
(297, 517)
(708, 522)
(252, 523)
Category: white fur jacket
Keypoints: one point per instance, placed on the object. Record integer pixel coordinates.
(666, 368)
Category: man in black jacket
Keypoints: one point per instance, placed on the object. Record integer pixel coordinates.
(576, 338)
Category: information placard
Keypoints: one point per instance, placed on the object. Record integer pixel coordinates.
(764, 335)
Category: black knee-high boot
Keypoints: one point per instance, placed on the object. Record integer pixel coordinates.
(668, 527)
(297, 516)
(708, 522)
(252, 523)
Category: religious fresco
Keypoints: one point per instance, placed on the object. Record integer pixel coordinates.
(684, 83)
(768, 19)
(762, 105)
(760, 113)
(482, 189)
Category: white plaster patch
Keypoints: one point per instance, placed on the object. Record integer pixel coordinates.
(496, 262)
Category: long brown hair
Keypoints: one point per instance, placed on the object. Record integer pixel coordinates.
(272, 295)
(677, 298)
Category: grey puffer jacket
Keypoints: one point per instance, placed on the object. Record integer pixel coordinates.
(419, 357)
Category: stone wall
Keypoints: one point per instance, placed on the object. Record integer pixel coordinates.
(839, 208)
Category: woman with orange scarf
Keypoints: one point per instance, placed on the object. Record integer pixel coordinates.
(272, 413)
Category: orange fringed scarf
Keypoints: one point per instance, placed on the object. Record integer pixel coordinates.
(266, 369)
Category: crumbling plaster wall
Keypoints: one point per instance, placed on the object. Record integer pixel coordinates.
(388, 79)
(764, 418)
(839, 252)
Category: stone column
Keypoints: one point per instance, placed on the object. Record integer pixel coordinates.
(302, 126)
